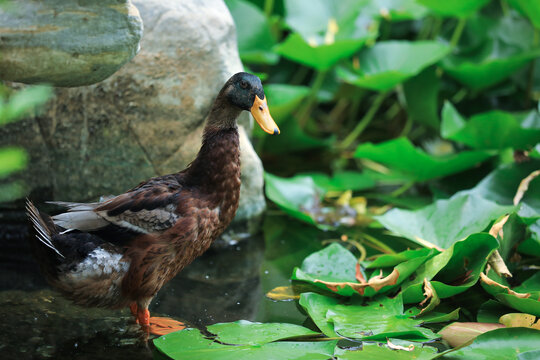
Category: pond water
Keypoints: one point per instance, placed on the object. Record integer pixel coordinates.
(225, 284)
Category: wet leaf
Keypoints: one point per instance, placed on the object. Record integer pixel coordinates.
(389, 63)
(191, 344)
(459, 8)
(401, 155)
(499, 344)
(378, 352)
(245, 332)
(460, 333)
(255, 40)
(492, 130)
(445, 221)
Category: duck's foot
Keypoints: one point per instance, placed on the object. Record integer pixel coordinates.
(156, 325)
(164, 325)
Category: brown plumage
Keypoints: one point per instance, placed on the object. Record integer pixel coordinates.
(121, 251)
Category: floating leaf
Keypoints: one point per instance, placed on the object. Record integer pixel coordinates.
(378, 352)
(492, 130)
(459, 8)
(343, 180)
(445, 221)
(397, 10)
(316, 306)
(401, 155)
(255, 41)
(437, 317)
(244, 332)
(191, 344)
(460, 333)
(389, 63)
(499, 344)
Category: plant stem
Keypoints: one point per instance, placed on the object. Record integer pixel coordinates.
(364, 122)
(268, 7)
(457, 32)
(402, 189)
(303, 113)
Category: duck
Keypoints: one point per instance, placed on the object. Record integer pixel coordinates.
(119, 252)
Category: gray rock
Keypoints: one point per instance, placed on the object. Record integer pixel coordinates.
(66, 43)
(146, 119)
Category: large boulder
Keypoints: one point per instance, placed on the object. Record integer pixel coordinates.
(66, 43)
(146, 119)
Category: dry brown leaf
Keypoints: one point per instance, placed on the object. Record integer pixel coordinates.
(376, 283)
(398, 347)
(524, 186)
(285, 293)
(488, 281)
(520, 320)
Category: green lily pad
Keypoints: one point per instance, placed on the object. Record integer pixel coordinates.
(505, 46)
(284, 99)
(491, 311)
(387, 260)
(292, 138)
(437, 317)
(389, 63)
(529, 8)
(343, 180)
(376, 320)
(245, 332)
(529, 355)
(499, 344)
(452, 271)
(378, 352)
(492, 130)
(293, 195)
(421, 94)
(316, 306)
(401, 155)
(334, 269)
(255, 40)
(397, 10)
(320, 57)
(12, 159)
(445, 221)
(191, 344)
(458, 8)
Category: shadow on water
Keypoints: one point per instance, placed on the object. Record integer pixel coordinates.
(225, 284)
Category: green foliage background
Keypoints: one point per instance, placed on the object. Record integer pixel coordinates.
(406, 129)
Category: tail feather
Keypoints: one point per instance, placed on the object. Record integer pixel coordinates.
(43, 232)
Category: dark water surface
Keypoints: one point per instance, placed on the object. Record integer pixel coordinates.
(225, 284)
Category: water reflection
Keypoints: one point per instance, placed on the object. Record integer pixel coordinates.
(225, 284)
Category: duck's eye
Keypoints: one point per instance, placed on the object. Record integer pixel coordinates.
(243, 84)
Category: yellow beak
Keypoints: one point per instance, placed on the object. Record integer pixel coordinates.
(260, 112)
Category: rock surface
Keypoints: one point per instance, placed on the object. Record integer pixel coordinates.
(66, 43)
(146, 119)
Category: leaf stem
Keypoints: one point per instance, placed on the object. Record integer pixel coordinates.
(303, 113)
(457, 32)
(364, 122)
(268, 7)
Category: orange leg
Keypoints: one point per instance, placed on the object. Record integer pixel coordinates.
(156, 325)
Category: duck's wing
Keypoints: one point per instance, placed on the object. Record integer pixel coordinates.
(148, 208)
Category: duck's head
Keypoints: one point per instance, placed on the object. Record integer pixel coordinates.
(245, 91)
